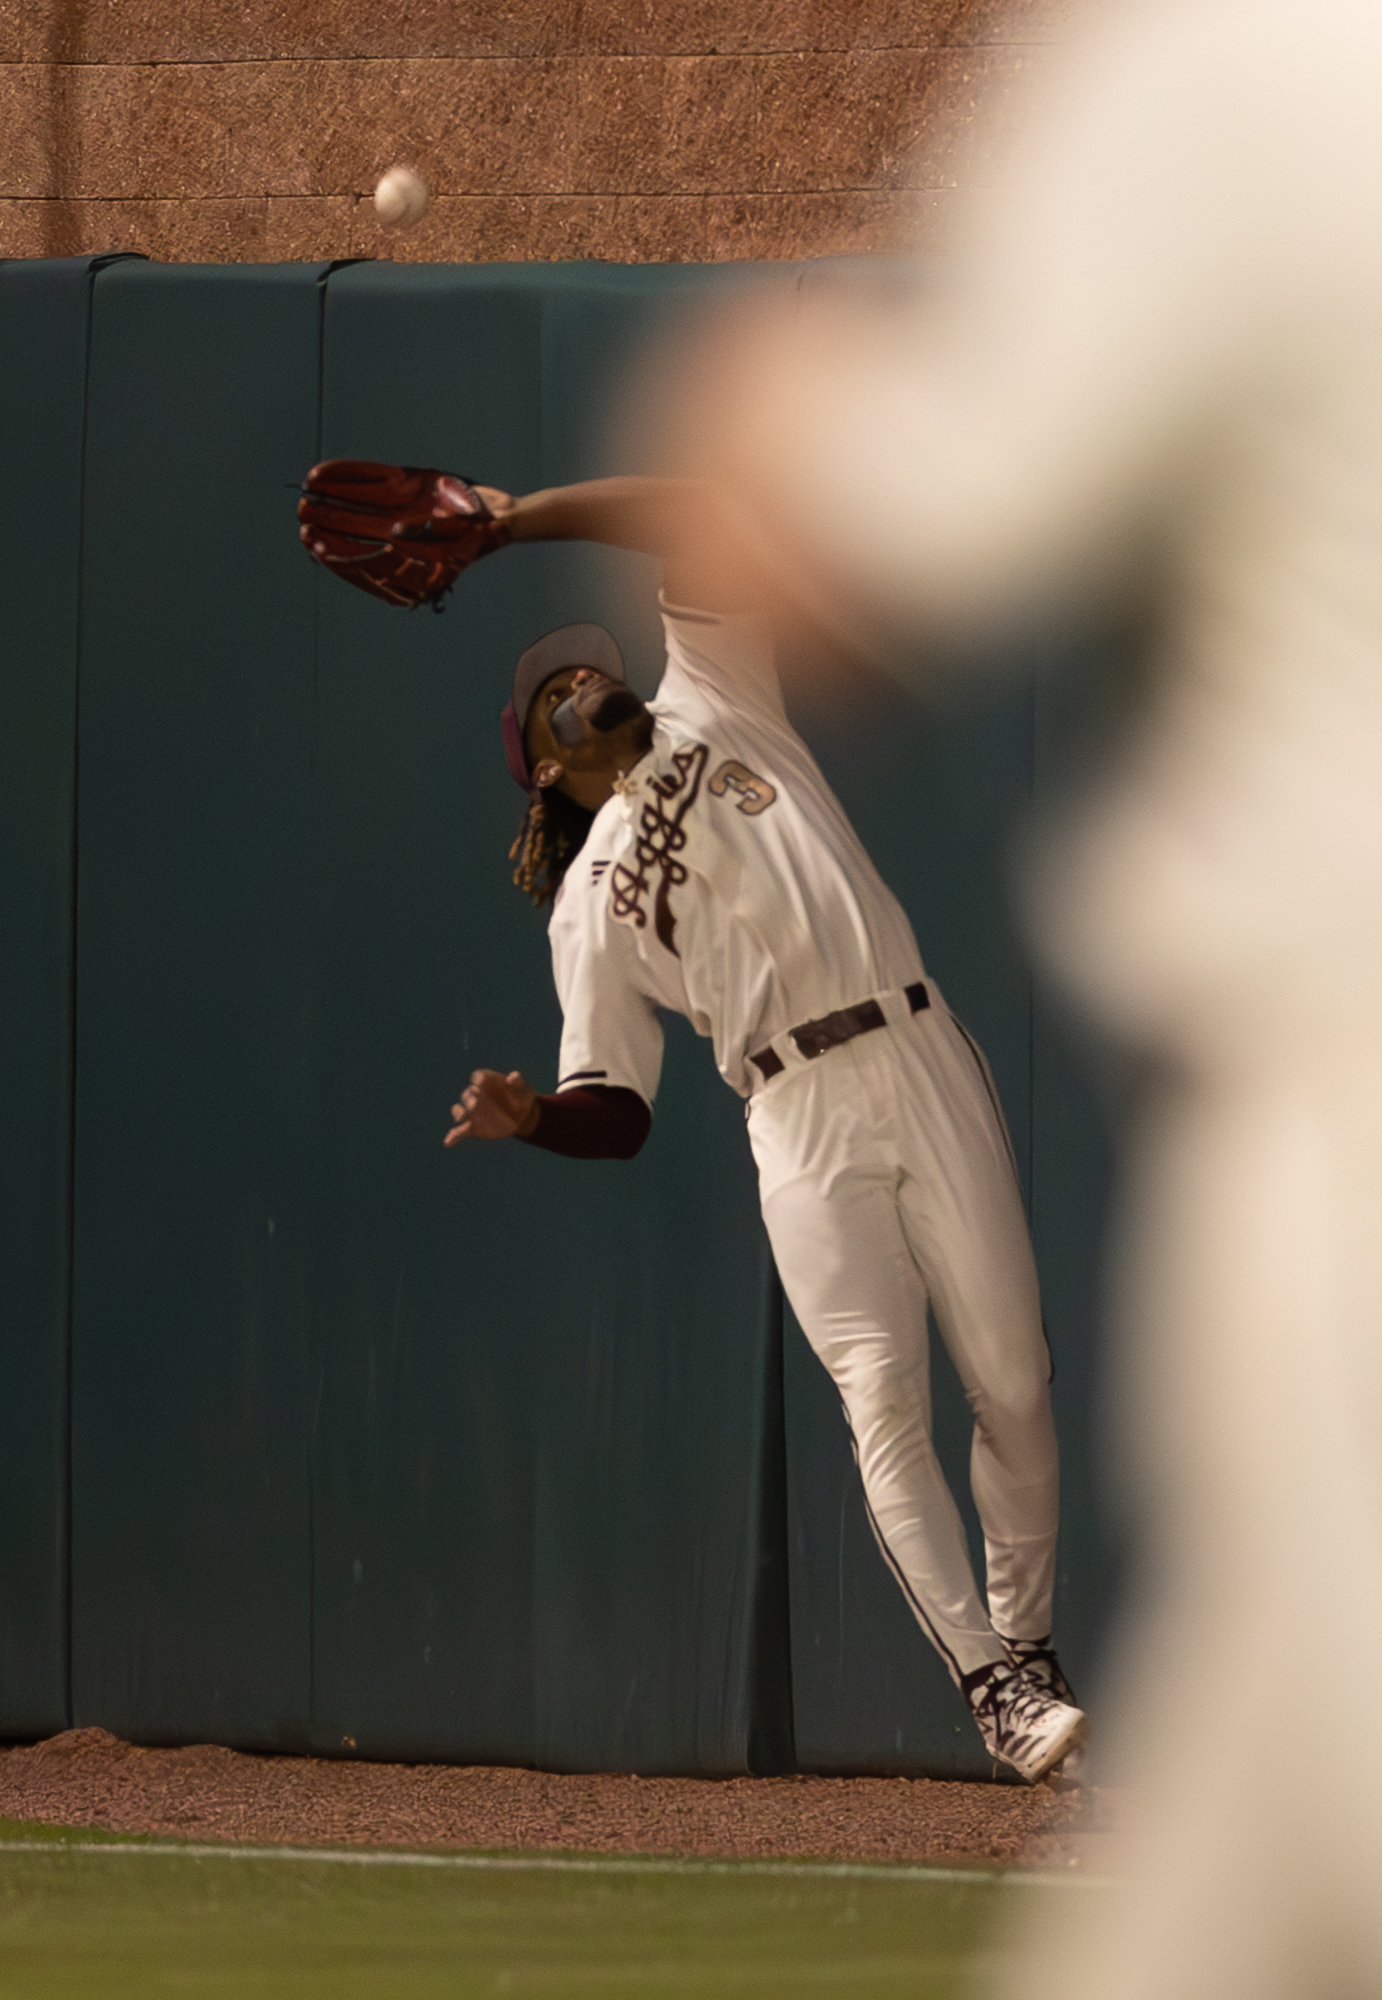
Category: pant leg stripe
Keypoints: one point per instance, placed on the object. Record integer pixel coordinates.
(991, 1087)
(890, 1559)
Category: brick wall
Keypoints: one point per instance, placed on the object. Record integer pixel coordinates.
(249, 130)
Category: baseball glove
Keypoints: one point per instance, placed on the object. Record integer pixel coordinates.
(401, 532)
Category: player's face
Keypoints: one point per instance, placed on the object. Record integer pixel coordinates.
(584, 726)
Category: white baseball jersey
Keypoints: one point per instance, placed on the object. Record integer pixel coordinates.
(722, 880)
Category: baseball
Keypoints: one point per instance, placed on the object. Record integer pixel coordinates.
(400, 198)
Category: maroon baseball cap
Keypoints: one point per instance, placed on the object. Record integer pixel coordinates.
(567, 646)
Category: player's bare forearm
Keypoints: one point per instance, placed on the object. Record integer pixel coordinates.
(494, 1106)
(656, 517)
(708, 549)
(715, 554)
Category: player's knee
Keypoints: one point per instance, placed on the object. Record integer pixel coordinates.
(1018, 1400)
(879, 1394)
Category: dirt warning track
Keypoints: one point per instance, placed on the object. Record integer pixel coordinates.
(87, 1777)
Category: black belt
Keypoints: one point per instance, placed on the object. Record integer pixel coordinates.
(813, 1038)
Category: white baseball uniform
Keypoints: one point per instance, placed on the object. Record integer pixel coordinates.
(724, 882)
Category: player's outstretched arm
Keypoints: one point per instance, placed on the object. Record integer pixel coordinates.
(494, 1107)
(406, 533)
(656, 517)
(712, 557)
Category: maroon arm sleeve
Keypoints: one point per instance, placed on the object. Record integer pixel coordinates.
(600, 1121)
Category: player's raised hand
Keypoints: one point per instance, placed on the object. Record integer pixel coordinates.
(494, 1107)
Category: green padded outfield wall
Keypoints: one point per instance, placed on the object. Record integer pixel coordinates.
(191, 1520)
(45, 317)
(378, 1449)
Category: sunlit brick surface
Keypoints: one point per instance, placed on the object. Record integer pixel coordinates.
(621, 129)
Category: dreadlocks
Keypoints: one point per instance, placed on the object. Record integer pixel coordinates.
(551, 836)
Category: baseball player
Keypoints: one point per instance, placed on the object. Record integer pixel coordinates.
(695, 859)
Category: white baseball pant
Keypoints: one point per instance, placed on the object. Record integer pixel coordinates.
(887, 1183)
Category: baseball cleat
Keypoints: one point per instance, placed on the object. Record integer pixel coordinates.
(1020, 1722)
(1037, 1659)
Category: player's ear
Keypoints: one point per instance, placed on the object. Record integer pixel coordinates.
(549, 772)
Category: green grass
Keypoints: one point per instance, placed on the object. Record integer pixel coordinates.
(75, 1925)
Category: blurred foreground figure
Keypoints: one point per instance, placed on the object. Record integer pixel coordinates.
(1157, 374)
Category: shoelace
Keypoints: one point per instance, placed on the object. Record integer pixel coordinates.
(983, 1689)
(1025, 1704)
(1041, 1664)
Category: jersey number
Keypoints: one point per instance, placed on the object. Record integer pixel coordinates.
(755, 793)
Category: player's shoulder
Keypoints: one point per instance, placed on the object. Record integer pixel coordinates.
(738, 642)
